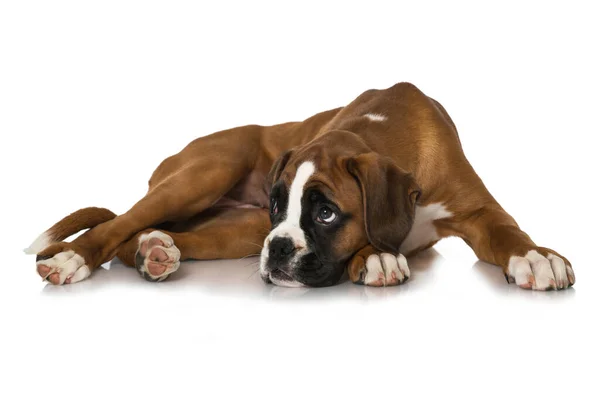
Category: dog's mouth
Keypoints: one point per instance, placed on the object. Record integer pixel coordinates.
(305, 271)
(280, 278)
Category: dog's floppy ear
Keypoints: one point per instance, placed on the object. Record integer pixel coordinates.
(389, 196)
(278, 167)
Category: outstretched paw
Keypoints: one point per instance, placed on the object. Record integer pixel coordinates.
(540, 269)
(157, 257)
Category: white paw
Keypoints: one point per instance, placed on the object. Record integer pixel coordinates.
(537, 272)
(65, 267)
(385, 269)
(157, 256)
(163, 237)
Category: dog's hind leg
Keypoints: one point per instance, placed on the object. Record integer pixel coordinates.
(227, 233)
(183, 186)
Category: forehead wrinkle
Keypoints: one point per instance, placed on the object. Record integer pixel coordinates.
(335, 187)
(323, 189)
(318, 182)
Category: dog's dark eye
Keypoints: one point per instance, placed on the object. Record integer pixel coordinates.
(326, 215)
(274, 208)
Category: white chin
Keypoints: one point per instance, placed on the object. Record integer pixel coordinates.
(284, 282)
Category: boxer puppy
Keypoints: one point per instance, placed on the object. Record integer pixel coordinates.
(359, 187)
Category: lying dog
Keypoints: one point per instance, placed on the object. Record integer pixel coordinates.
(360, 187)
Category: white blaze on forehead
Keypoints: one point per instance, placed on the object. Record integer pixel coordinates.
(290, 227)
(294, 210)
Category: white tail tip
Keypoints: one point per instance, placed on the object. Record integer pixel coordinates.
(39, 244)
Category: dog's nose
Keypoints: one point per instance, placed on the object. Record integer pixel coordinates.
(281, 248)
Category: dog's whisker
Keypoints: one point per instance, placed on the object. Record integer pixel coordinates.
(260, 246)
(253, 273)
(248, 256)
(252, 263)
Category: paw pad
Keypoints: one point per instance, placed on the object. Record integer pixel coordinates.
(157, 257)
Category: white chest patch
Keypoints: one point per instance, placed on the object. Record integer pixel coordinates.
(423, 231)
(376, 117)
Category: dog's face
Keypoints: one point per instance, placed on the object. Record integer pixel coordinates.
(329, 199)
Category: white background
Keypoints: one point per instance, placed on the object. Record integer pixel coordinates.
(93, 95)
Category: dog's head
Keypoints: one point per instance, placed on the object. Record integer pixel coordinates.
(330, 198)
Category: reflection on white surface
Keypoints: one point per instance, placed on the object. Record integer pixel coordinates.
(240, 278)
(492, 276)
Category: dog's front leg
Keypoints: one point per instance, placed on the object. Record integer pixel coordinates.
(496, 238)
(371, 267)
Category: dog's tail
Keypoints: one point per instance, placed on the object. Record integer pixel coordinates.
(82, 219)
